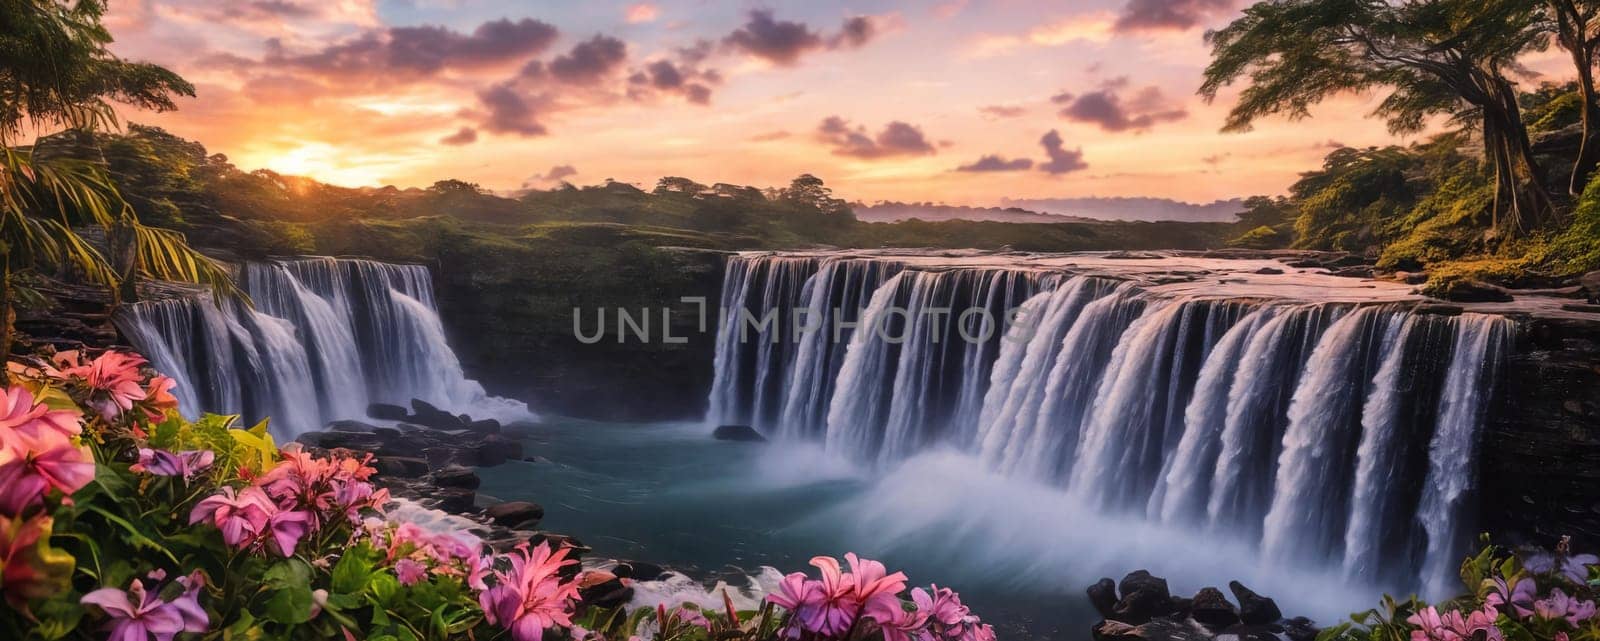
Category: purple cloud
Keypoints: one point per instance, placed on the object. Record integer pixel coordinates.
(421, 50)
(509, 112)
(896, 139)
(590, 60)
(993, 162)
(465, 136)
(1062, 161)
(1146, 15)
(784, 42)
(1110, 111)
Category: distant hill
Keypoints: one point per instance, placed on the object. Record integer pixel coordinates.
(1145, 209)
(893, 212)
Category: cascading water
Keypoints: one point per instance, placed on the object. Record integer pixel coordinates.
(1332, 435)
(325, 338)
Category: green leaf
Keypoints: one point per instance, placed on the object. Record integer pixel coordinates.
(289, 605)
(134, 536)
(354, 568)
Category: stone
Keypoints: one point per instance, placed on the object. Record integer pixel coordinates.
(1300, 629)
(1110, 630)
(1144, 597)
(1254, 609)
(456, 476)
(1103, 596)
(401, 466)
(1212, 609)
(743, 433)
(610, 594)
(1158, 630)
(1354, 271)
(362, 441)
(456, 500)
(520, 515)
(387, 433)
(1476, 292)
(1411, 278)
(1438, 309)
(1269, 271)
(387, 412)
(427, 415)
(1591, 285)
(497, 449)
(350, 426)
(485, 426)
(639, 571)
(1251, 633)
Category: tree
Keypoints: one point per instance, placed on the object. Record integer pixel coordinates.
(678, 184)
(452, 186)
(56, 74)
(1576, 26)
(809, 191)
(1437, 57)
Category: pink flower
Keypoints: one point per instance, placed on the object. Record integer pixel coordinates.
(873, 583)
(28, 425)
(188, 604)
(287, 528)
(1519, 595)
(897, 623)
(137, 618)
(24, 481)
(830, 606)
(839, 605)
(241, 515)
(531, 597)
(163, 463)
(410, 572)
(115, 378)
(159, 394)
(1454, 626)
(1560, 606)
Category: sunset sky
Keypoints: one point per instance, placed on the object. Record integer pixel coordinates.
(965, 102)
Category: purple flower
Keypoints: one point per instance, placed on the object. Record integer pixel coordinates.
(1454, 626)
(137, 615)
(240, 515)
(1519, 596)
(1560, 606)
(163, 463)
(410, 572)
(287, 528)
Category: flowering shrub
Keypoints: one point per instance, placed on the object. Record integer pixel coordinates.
(1525, 595)
(121, 520)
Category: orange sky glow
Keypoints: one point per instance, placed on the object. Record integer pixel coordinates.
(946, 101)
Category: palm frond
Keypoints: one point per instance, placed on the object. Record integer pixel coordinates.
(165, 254)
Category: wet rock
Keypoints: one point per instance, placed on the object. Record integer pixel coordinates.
(1103, 596)
(610, 594)
(1111, 630)
(738, 433)
(639, 571)
(1411, 278)
(1158, 630)
(1213, 610)
(1591, 285)
(504, 449)
(1251, 633)
(389, 434)
(1438, 309)
(427, 415)
(516, 514)
(361, 441)
(456, 500)
(351, 426)
(387, 412)
(1354, 271)
(1254, 608)
(1144, 597)
(401, 466)
(1474, 292)
(1300, 629)
(1269, 271)
(485, 426)
(456, 476)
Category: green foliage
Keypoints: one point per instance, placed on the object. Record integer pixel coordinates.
(1575, 248)
(1262, 237)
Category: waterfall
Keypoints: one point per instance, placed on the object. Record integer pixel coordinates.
(1332, 435)
(324, 338)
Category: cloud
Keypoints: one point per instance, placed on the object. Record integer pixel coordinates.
(1062, 161)
(555, 175)
(642, 12)
(422, 50)
(770, 136)
(682, 78)
(465, 136)
(993, 162)
(509, 112)
(1147, 15)
(1095, 27)
(1109, 110)
(590, 60)
(896, 139)
(1002, 111)
(784, 42)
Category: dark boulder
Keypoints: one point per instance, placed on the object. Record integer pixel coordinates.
(456, 476)
(1269, 271)
(610, 594)
(1300, 629)
(497, 449)
(427, 415)
(387, 412)
(362, 441)
(1245, 632)
(485, 426)
(520, 515)
(351, 426)
(1591, 286)
(387, 433)
(1157, 630)
(1254, 609)
(1472, 292)
(1213, 610)
(738, 433)
(401, 466)
(1103, 595)
(456, 500)
(639, 571)
(1144, 597)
